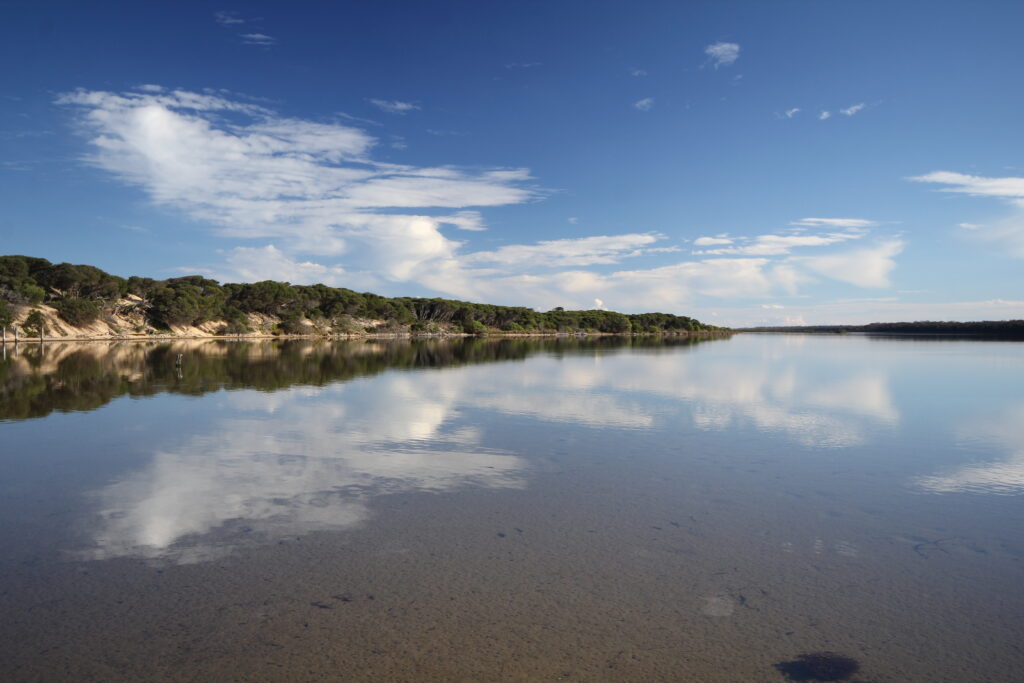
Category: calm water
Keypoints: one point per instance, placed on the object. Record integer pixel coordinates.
(510, 510)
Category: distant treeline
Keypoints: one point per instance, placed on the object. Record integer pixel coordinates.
(993, 329)
(82, 294)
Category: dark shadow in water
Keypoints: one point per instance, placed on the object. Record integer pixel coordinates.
(819, 666)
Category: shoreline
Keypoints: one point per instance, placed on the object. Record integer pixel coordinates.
(356, 337)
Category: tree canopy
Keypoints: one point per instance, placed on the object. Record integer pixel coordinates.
(81, 293)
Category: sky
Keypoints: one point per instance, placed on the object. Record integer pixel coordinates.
(744, 163)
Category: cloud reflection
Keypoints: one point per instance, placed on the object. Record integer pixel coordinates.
(832, 409)
(279, 464)
(1000, 477)
(294, 462)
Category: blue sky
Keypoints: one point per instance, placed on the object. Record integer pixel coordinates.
(741, 162)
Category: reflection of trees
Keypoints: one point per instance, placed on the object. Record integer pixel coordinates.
(80, 377)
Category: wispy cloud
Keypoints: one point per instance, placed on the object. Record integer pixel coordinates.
(1007, 232)
(850, 111)
(712, 241)
(311, 187)
(465, 220)
(228, 18)
(1011, 188)
(869, 267)
(445, 133)
(790, 113)
(253, 264)
(824, 115)
(307, 201)
(638, 72)
(835, 222)
(582, 251)
(723, 54)
(394, 106)
(523, 65)
(773, 245)
(261, 39)
(573, 220)
(646, 104)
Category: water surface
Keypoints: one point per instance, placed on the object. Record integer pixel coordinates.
(490, 510)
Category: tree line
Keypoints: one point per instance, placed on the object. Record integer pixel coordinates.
(991, 329)
(81, 294)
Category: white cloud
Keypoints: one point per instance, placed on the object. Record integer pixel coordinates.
(258, 39)
(394, 106)
(723, 54)
(790, 113)
(868, 267)
(314, 205)
(776, 245)
(465, 220)
(824, 115)
(712, 241)
(523, 65)
(1011, 188)
(253, 264)
(1007, 233)
(310, 187)
(646, 104)
(850, 111)
(581, 251)
(835, 222)
(638, 72)
(667, 288)
(573, 220)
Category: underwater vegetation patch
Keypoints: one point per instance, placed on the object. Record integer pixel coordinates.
(819, 666)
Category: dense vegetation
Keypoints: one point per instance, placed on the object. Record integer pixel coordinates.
(82, 294)
(994, 329)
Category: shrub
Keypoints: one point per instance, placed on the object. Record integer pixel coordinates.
(474, 327)
(78, 312)
(291, 323)
(35, 323)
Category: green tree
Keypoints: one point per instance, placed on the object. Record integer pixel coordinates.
(35, 323)
(78, 312)
(6, 316)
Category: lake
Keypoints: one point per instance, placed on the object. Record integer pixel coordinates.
(560, 509)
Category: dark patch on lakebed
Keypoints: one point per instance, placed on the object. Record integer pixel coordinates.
(819, 666)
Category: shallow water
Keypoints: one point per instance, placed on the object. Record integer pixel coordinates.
(526, 510)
